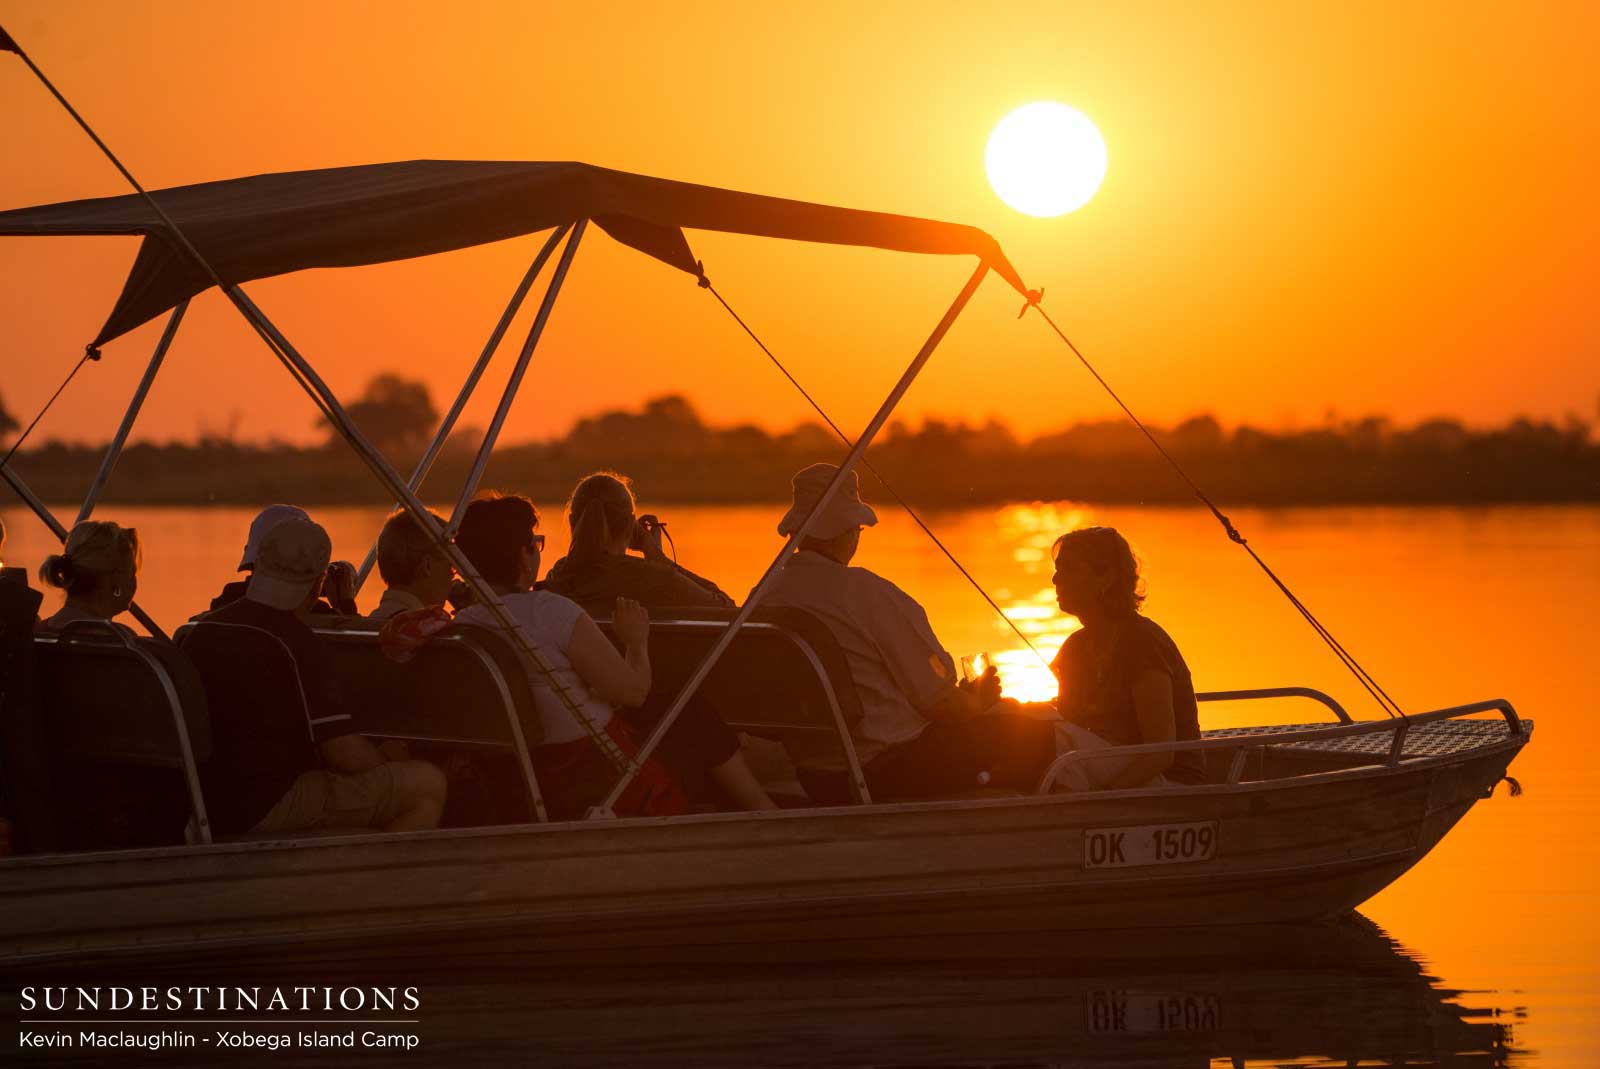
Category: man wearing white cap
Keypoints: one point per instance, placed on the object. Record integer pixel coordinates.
(340, 587)
(286, 753)
(921, 733)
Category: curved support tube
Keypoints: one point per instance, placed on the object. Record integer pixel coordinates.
(1276, 692)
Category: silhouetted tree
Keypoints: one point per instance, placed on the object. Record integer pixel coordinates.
(395, 413)
(8, 422)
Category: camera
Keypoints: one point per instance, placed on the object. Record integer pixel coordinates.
(645, 526)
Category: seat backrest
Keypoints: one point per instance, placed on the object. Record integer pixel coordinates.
(460, 688)
(785, 678)
(111, 698)
(122, 715)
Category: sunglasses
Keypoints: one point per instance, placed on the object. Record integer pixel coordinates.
(538, 542)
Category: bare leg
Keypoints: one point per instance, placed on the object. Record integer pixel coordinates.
(422, 792)
(741, 785)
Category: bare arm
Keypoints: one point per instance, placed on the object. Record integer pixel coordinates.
(350, 753)
(619, 679)
(1152, 703)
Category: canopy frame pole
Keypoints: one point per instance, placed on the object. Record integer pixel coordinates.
(607, 808)
(514, 383)
(318, 390)
(303, 373)
(43, 512)
(114, 450)
(467, 387)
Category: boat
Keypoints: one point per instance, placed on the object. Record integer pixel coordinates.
(1297, 822)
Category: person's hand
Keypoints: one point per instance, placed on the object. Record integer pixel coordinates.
(985, 690)
(647, 537)
(631, 622)
(339, 584)
(460, 595)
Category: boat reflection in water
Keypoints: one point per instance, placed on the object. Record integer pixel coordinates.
(1340, 993)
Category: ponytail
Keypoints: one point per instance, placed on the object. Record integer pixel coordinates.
(601, 507)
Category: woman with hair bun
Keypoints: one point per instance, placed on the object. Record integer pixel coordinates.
(1122, 678)
(99, 570)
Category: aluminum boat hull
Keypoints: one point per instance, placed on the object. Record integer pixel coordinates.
(1288, 849)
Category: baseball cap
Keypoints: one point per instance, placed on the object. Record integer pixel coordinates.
(292, 559)
(266, 520)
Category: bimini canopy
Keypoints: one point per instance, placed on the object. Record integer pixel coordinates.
(272, 224)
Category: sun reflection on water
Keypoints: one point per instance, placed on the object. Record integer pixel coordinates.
(1031, 530)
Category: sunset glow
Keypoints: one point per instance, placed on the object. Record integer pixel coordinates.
(1046, 159)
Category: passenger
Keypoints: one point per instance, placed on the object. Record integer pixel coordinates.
(921, 733)
(598, 568)
(416, 572)
(596, 571)
(1122, 678)
(99, 570)
(337, 597)
(497, 535)
(264, 774)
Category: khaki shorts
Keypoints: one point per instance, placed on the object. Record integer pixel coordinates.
(324, 799)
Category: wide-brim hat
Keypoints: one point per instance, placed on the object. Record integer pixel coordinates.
(844, 511)
(292, 559)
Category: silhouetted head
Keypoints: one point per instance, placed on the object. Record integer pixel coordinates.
(98, 567)
(499, 536)
(1097, 575)
(409, 558)
(836, 530)
(600, 514)
(264, 521)
(290, 563)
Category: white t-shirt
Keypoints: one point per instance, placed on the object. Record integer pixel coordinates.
(549, 620)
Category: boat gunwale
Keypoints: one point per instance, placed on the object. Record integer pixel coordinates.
(511, 832)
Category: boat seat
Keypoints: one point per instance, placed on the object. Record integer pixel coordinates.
(784, 678)
(127, 729)
(465, 689)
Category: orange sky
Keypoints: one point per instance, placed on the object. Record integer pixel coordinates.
(1348, 209)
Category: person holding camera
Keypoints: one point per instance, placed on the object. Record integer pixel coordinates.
(600, 566)
(700, 749)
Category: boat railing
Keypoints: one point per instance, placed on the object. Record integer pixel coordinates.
(1400, 727)
(1276, 692)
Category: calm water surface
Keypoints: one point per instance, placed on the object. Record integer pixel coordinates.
(1488, 952)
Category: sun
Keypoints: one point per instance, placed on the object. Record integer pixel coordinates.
(1045, 159)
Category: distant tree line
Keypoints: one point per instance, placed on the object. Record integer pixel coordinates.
(675, 456)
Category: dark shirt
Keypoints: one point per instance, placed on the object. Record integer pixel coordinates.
(232, 592)
(1097, 669)
(267, 715)
(597, 583)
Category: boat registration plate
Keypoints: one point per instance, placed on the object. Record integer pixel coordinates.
(1149, 844)
(1142, 1013)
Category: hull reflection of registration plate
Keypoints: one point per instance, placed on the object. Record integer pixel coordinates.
(1136, 1013)
(1149, 844)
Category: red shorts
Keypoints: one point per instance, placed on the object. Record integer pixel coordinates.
(573, 776)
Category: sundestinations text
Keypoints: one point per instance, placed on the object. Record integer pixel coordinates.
(219, 999)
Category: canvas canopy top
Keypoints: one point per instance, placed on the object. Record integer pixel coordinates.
(271, 224)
